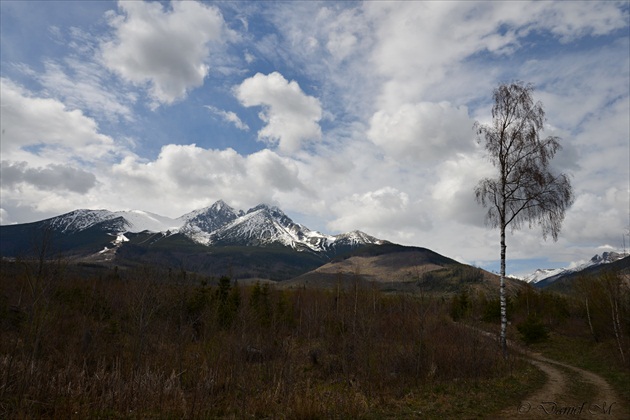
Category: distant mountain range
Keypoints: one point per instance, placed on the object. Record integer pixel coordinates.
(260, 243)
(206, 240)
(545, 277)
(218, 224)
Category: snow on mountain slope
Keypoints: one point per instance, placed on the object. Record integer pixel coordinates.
(139, 221)
(211, 218)
(134, 221)
(79, 220)
(544, 274)
(218, 224)
(264, 225)
(200, 224)
(357, 237)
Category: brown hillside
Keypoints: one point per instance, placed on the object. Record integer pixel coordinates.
(412, 270)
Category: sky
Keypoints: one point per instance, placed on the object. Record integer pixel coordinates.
(346, 115)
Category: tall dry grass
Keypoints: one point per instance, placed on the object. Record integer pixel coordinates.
(148, 343)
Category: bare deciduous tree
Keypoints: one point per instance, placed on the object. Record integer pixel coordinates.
(525, 189)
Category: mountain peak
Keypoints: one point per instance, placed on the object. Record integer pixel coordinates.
(607, 257)
(216, 225)
(548, 276)
(356, 237)
(266, 207)
(200, 224)
(221, 205)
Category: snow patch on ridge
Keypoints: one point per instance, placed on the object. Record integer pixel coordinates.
(214, 225)
(543, 274)
(135, 221)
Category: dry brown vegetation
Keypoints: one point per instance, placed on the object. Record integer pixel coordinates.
(145, 343)
(87, 341)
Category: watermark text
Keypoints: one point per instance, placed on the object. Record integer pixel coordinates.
(556, 409)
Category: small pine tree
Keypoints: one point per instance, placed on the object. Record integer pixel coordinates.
(229, 300)
(532, 330)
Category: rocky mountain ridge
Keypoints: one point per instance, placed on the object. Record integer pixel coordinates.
(548, 276)
(216, 225)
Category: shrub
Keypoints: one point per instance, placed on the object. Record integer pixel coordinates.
(532, 330)
(460, 305)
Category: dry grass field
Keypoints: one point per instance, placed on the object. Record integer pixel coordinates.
(81, 342)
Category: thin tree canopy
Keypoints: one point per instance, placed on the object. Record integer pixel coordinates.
(525, 190)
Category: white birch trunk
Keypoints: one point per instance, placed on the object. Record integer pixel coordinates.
(502, 296)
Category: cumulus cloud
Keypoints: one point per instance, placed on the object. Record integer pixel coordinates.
(229, 117)
(192, 176)
(423, 132)
(47, 128)
(166, 48)
(376, 211)
(417, 42)
(291, 116)
(452, 191)
(420, 45)
(599, 218)
(50, 177)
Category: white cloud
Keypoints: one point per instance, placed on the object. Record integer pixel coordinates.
(51, 155)
(419, 46)
(192, 176)
(166, 48)
(328, 43)
(341, 44)
(418, 42)
(32, 203)
(4, 217)
(290, 115)
(228, 116)
(598, 218)
(423, 132)
(576, 86)
(57, 134)
(50, 177)
(82, 84)
(342, 31)
(384, 210)
(453, 191)
(249, 57)
(578, 19)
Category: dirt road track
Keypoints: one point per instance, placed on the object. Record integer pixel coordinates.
(554, 400)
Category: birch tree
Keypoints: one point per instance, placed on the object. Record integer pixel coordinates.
(525, 189)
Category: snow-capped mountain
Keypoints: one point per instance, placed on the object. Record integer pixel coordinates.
(199, 224)
(553, 274)
(543, 273)
(126, 221)
(217, 225)
(263, 225)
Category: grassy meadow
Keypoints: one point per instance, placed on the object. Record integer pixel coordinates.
(88, 341)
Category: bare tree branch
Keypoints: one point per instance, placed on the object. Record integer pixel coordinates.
(525, 189)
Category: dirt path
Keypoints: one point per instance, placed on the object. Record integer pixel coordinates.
(554, 399)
